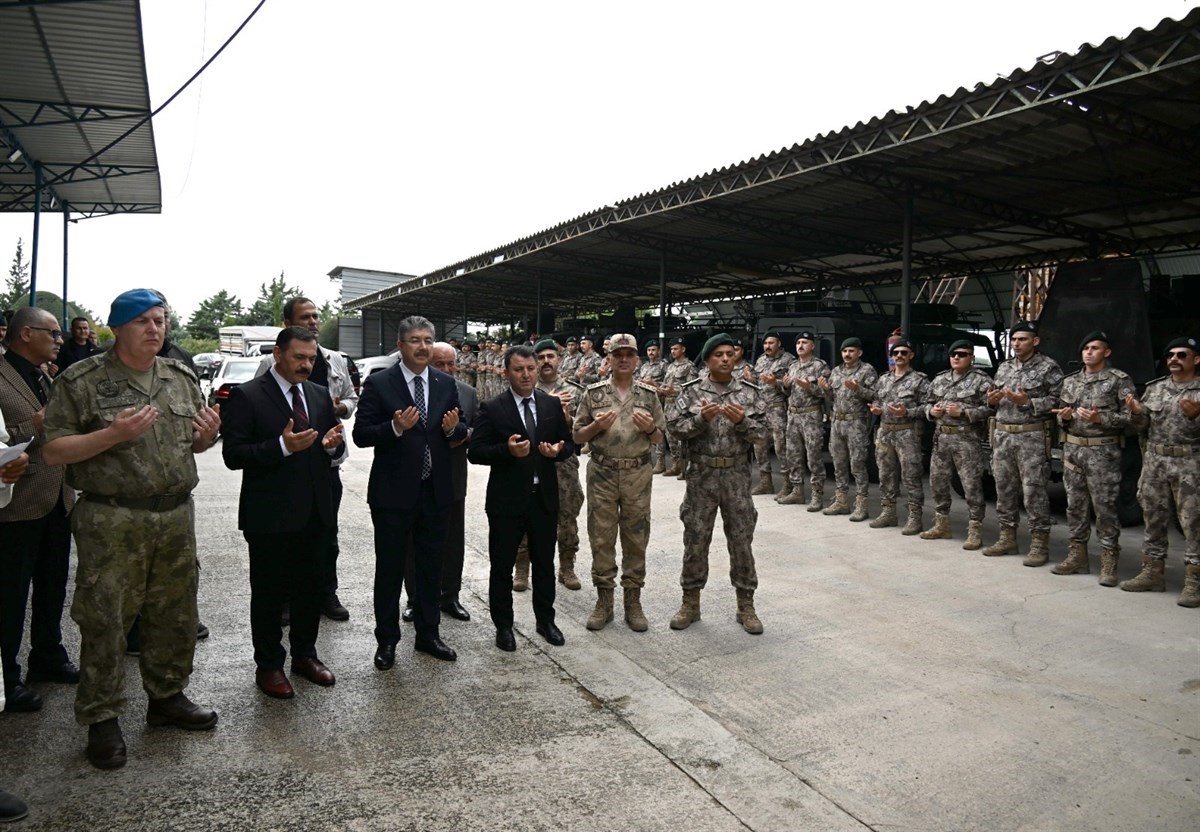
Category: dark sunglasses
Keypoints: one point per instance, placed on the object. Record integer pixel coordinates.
(901, 351)
(1178, 354)
(960, 355)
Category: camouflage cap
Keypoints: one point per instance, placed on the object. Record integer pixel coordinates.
(622, 341)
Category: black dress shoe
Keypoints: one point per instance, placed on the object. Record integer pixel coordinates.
(385, 657)
(202, 631)
(20, 699)
(106, 746)
(407, 615)
(65, 673)
(12, 808)
(551, 633)
(181, 712)
(505, 640)
(456, 610)
(437, 648)
(332, 609)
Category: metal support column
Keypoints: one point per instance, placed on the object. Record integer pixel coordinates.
(37, 227)
(662, 302)
(537, 318)
(66, 318)
(906, 271)
(466, 312)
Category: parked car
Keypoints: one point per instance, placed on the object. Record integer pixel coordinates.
(355, 373)
(375, 363)
(232, 373)
(207, 363)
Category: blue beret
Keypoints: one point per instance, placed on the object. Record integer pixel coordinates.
(129, 305)
(718, 340)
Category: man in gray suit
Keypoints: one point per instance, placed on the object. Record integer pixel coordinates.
(444, 356)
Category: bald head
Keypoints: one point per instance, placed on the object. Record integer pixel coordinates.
(443, 357)
(30, 335)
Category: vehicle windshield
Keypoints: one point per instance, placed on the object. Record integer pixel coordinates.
(239, 370)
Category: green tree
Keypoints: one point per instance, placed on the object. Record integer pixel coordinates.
(222, 309)
(268, 309)
(330, 332)
(53, 304)
(17, 285)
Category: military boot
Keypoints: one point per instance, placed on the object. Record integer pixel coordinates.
(634, 616)
(106, 746)
(785, 490)
(860, 508)
(940, 530)
(746, 616)
(974, 535)
(683, 469)
(660, 465)
(1039, 550)
(521, 573)
(817, 500)
(1006, 545)
(1150, 579)
(765, 486)
(566, 571)
(603, 613)
(1076, 562)
(887, 516)
(673, 470)
(915, 519)
(689, 610)
(795, 497)
(1108, 567)
(1190, 597)
(839, 504)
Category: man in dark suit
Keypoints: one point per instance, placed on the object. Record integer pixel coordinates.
(280, 431)
(409, 414)
(34, 527)
(522, 434)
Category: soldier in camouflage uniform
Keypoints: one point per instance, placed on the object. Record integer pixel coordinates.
(721, 416)
(771, 368)
(1025, 397)
(466, 362)
(900, 397)
(1169, 417)
(677, 373)
(568, 362)
(850, 386)
(621, 420)
(1093, 418)
(805, 423)
(651, 372)
(127, 423)
(588, 370)
(959, 410)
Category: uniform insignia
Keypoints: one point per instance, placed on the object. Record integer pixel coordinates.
(108, 388)
(1106, 387)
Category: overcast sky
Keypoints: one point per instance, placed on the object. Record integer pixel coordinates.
(407, 136)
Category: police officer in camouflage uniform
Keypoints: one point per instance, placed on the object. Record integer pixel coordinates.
(850, 386)
(1093, 418)
(127, 423)
(651, 373)
(677, 373)
(1025, 397)
(465, 363)
(620, 420)
(721, 416)
(772, 367)
(805, 423)
(900, 396)
(959, 410)
(568, 362)
(1169, 417)
(587, 371)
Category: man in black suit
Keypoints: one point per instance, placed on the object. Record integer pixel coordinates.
(521, 433)
(280, 431)
(409, 414)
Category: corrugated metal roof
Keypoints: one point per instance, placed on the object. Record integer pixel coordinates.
(1091, 154)
(72, 81)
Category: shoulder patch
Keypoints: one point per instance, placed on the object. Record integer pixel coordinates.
(1148, 383)
(81, 368)
(691, 382)
(751, 384)
(1077, 372)
(1118, 373)
(650, 388)
(596, 385)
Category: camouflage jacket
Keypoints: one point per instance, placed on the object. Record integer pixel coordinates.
(1104, 391)
(465, 363)
(720, 437)
(778, 367)
(590, 364)
(651, 372)
(1163, 418)
(1040, 377)
(910, 390)
(624, 440)
(568, 363)
(678, 373)
(968, 390)
(812, 371)
(852, 402)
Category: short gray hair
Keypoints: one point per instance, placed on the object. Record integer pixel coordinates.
(414, 323)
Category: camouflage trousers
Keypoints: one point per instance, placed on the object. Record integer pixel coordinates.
(1092, 476)
(131, 560)
(805, 447)
(618, 502)
(1165, 480)
(1021, 468)
(726, 489)
(899, 457)
(848, 444)
(963, 453)
(776, 434)
(570, 502)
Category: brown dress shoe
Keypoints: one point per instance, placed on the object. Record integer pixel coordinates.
(106, 746)
(181, 712)
(311, 668)
(274, 684)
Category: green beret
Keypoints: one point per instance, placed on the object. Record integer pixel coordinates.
(545, 344)
(1098, 335)
(962, 344)
(653, 342)
(1024, 326)
(719, 340)
(1187, 343)
(772, 334)
(852, 342)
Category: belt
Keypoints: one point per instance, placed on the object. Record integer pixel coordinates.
(621, 462)
(715, 461)
(160, 502)
(897, 425)
(957, 429)
(1009, 427)
(1172, 450)
(1072, 439)
(812, 408)
(843, 417)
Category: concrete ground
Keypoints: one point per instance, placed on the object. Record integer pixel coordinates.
(900, 685)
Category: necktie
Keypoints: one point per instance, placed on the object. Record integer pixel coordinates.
(419, 397)
(299, 415)
(530, 425)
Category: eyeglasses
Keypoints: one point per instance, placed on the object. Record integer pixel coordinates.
(419, 342)
(901, 352)
(54, 333)
(1178, 354)
(960, 355)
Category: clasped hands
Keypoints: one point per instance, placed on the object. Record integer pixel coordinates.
(1017, 396)
(407, 418)
(942, 409)
(897, 410)
(296, 442)
(519, 447)
(733, 412)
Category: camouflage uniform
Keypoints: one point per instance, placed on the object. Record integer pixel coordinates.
(465, 363)
(619, 479)
(1021, 440)
(134, 529)
(651, 373)
(483, 385)
(1170, 468)
(590, 363)
(898, 440)
(806, 422)
(1091, 453)
(718, 478)
(957, 441)
(849, 432)
(777, 412)
(676, 374)
(570, 492)
(568, 363)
